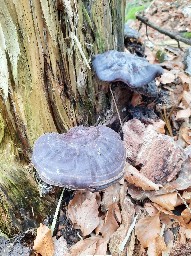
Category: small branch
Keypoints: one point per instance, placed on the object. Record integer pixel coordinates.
(178, 38)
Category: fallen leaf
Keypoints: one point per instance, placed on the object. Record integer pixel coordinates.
(110, 224)
(60, 246)
(184, 178)
(156, 247)
(170, 215)
(159, 126)
(43, 243)
(167, 77)
(186, 134)
(147, 230)
(131, 245)
(168, 201)
(127, 213)
(83, 211)
(84, 247)
(101, 247)
(184, 77)
(186, 98)
(182, 114)
(133, 176)
(136, 99)
(151, 210)
(110, 196)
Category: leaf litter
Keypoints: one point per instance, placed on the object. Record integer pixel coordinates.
(149, 211)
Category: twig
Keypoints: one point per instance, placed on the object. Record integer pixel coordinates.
(122, 245)
(56, 213)
(178, 38)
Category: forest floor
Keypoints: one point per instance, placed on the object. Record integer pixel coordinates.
(149, 211)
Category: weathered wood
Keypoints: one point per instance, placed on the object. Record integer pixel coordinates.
(46, 47)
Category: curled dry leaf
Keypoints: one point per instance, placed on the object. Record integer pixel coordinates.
(133, 176)
(168, 201)
(147, 230)
(43, 243)
(170, 215)
(83, 211)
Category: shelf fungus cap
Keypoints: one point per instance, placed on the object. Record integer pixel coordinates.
(83, 158)
(134, 71)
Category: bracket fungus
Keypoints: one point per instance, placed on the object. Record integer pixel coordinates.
(83, 158)
(134, 71)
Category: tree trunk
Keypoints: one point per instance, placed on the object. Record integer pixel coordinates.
(47, 85)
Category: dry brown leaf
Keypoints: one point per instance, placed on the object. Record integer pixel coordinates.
(159, 126)
(131, 245)
(60, 246)
(184, 178)
(168, 201)
(186, 134)
(167, 78)
(127, 212)
(83, 211)
(150, 55)
(110, 224)
(136, 99)
(101, 248)
(133, 176)
(170, 215)
(186, 195)
(156, 247)
(147, 230)
(186, 98)
(188, 233)
(110, 196)
(151, 210)
(182, 114)
(185, 78)
(84, 247)
(43, 243)
(186, 214)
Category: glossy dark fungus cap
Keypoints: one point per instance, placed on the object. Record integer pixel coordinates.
(83, 158)
(134, 71)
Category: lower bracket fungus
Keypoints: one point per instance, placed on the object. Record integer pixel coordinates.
(83, 158)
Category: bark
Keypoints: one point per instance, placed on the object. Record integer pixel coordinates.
(47, 85)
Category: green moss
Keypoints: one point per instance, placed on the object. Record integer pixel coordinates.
(86, 15)
(100, 42)
(186, 35)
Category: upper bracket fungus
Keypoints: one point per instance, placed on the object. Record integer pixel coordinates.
(134, 71)
(83, 158)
